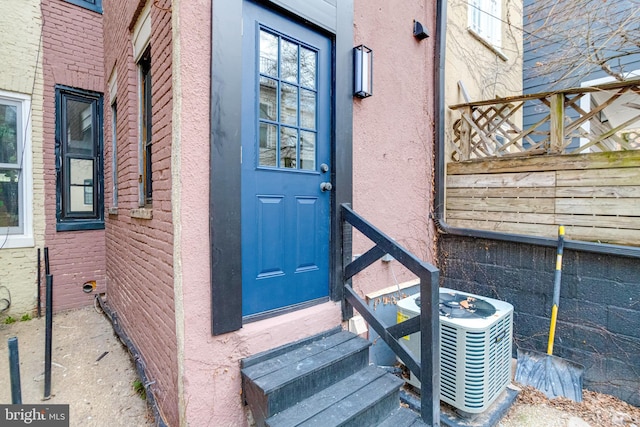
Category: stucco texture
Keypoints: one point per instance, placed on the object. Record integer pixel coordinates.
(209, 366)
(393, 142)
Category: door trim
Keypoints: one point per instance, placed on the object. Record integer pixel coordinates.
(225, 168)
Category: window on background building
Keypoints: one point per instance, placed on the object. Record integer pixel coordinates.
(79, 191)
(95, 5)
(113, 99)
(114, 153)
(146, 179)
(15, 171)
(485, 19)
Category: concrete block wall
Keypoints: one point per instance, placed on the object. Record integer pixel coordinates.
(599, 312)
(20, 30)
(73, 56)
(140, 264)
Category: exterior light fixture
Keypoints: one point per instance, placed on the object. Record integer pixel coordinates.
(362, 71)
(419, 31)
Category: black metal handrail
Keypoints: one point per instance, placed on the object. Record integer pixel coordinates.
(427, 369)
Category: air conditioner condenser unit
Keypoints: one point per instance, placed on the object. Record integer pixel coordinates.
(475, 347)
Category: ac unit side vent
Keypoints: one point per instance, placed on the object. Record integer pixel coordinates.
(475, 354)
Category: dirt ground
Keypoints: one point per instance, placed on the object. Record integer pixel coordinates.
(93, 372)
(533, 409)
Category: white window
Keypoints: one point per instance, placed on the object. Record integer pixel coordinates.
(485, 19)
(16, 215)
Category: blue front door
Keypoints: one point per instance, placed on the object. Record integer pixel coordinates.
(286, 169)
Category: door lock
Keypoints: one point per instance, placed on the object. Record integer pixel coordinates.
(326, 186)
(324, 168)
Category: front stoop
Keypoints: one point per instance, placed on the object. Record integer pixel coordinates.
(324, 380)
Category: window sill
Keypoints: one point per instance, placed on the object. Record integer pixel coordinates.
(488, 45)
(113, 211)
(16, 242)
(80, 225)
(142, 213)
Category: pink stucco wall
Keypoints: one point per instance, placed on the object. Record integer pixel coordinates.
(393, 158)
(394, 134)
(210, 365)
(73, 56)
(159, 269)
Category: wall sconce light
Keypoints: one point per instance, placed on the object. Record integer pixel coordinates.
(419, 31)
(362, 71)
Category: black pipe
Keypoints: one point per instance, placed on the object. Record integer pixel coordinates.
(137, 357)
(47, 339)
(14, 371)
(39, 284)
(46, 261)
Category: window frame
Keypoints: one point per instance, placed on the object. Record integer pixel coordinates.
(95, 5)
(485, 20)
(66, 219)
(114, 153)
(21, 236)
(145, 117)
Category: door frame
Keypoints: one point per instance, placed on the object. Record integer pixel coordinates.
(334, 20)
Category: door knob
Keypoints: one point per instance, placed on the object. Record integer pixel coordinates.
(326, 186)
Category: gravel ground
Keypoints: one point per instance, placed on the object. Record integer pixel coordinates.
(91, 370)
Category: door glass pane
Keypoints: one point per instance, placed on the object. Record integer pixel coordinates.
(81, 185)
(8, 134)
(268, 98)
(9, 198)
(307, 68)
(268, 54)
(289, 62)
(289, 105)
(288, 147)
(79, 127)
(268, 144)
(307, 150)
(307, 109)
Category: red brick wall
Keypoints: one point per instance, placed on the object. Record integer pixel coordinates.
(140, 251)
(73, 56)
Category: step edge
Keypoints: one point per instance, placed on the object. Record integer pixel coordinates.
(343, 357)
(375, 374)
(388, 393)
(268, 354)
(257, 371)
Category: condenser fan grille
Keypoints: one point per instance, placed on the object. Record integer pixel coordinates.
(459, 306)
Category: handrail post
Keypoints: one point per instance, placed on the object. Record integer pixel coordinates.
(427, 369)
(556, 135)
(347, 236)
(430, 352)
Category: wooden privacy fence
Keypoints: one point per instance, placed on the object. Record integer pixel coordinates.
(595, 195)
(576, 163)
(580, 120)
